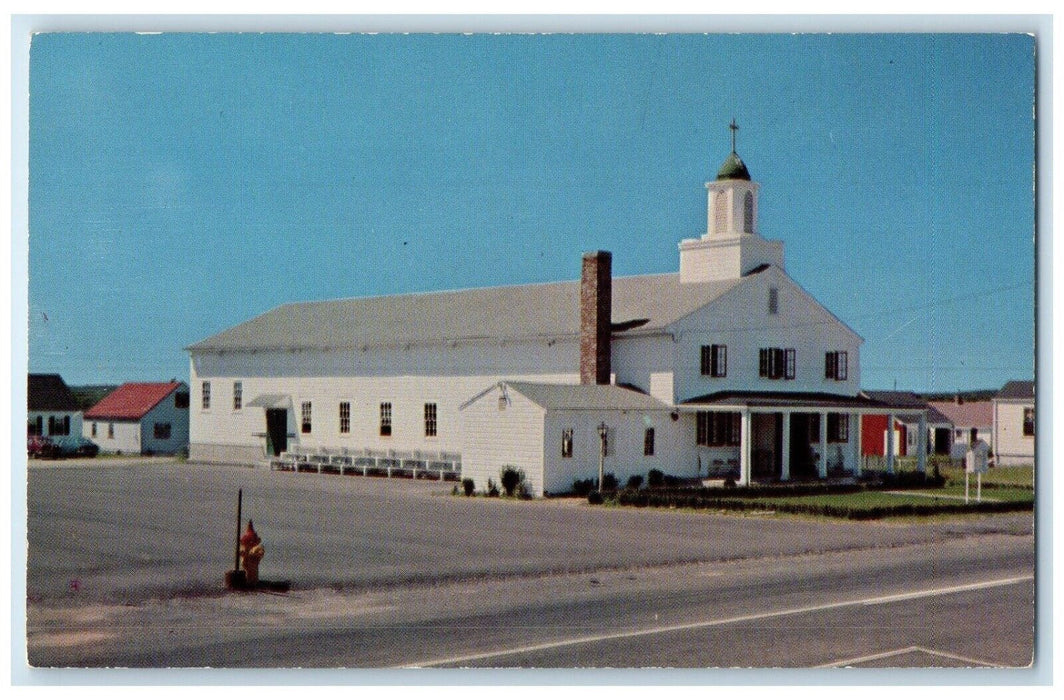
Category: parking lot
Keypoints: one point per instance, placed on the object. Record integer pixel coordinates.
(112, 545)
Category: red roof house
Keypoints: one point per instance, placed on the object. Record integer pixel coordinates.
(141, 417)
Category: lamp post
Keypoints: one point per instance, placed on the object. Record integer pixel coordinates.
(602, 430)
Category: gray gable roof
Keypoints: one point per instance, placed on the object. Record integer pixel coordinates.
(525, 311)
(586, 397)
(48, 392)
(1016, 390)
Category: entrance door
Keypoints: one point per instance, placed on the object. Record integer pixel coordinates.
(276, 430)
(803, 466)
(942, 436)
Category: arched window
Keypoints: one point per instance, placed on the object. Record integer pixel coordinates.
(720, 212)
(748, 212)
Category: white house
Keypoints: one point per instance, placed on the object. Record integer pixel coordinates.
(141, 418)
(1014, 424)
(763, 381)
(52, 410)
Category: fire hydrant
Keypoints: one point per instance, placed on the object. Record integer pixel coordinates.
(251, 553)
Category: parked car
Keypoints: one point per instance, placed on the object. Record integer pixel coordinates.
(41, 447)
(76, 446)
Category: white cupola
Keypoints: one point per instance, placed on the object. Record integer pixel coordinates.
(731, 245)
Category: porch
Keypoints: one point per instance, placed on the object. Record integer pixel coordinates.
(776, 436)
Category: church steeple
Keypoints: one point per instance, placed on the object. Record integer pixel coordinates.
(733, 167)
(731, 245)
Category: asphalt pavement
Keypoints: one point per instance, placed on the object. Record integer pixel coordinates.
(126, 563)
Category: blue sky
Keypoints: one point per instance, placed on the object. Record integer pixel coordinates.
(183, 183)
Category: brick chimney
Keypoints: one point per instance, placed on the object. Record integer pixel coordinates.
(596, 295)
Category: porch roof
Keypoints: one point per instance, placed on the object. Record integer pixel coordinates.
(786, 399)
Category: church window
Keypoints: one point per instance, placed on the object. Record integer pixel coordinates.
(835, 365)
(386, 419)
(748, 212)
(718, 429)
(776, 363)
(1028, 422)
(345, 417)
(238, 395)
(720, 212)
(567, 443)
(305, 414)
(206, 396)
(648, 442)
(773, 301)
(714, 360)
(430, 420)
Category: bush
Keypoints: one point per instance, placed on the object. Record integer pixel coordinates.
(582, 487)
(595, 498)
(729, 483)
(609, 482)
(468, 485)
(634, 482)
(510, 478)
(655, 478)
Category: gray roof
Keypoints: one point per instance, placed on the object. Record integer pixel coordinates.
(586, 397)
(48, 392)
(897, 399)
(1016, 390)
(524, 311)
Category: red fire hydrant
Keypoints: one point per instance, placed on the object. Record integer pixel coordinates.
(251, 553)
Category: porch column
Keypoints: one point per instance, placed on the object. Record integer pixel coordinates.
(785, 458)
(855, 439)
(745, 447)
(890, 444)
(822, 464)
(921, 445)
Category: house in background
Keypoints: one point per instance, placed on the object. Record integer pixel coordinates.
(1014, 423)
(52, 410)
(141, 418)
(909, 408)
(972, 420)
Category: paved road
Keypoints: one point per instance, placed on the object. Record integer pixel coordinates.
(399, 573)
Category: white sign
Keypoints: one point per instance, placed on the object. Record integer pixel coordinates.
(977, 457)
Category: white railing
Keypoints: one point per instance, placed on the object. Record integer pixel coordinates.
(410, 464)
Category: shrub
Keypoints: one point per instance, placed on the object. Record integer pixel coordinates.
(523, 493)
(510, 478)
(655, 478)
(634, 482)
(595, 498)
(729, 483)
(468, 485)
(609, 482)
(493, 490)
(582, 487)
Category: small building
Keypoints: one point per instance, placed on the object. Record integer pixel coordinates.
(141, 418)
(52, 410)
(555, 433)
(1014, 424)
(971, 421)
(909, 411)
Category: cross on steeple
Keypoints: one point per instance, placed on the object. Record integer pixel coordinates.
(734, 127)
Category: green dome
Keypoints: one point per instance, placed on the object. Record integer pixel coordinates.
(733, 168)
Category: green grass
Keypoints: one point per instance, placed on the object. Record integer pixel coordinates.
(998, 476)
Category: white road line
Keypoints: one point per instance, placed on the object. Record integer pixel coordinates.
(926, 593)
(906, 650)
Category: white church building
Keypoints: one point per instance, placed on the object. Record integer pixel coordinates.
(727, 367)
